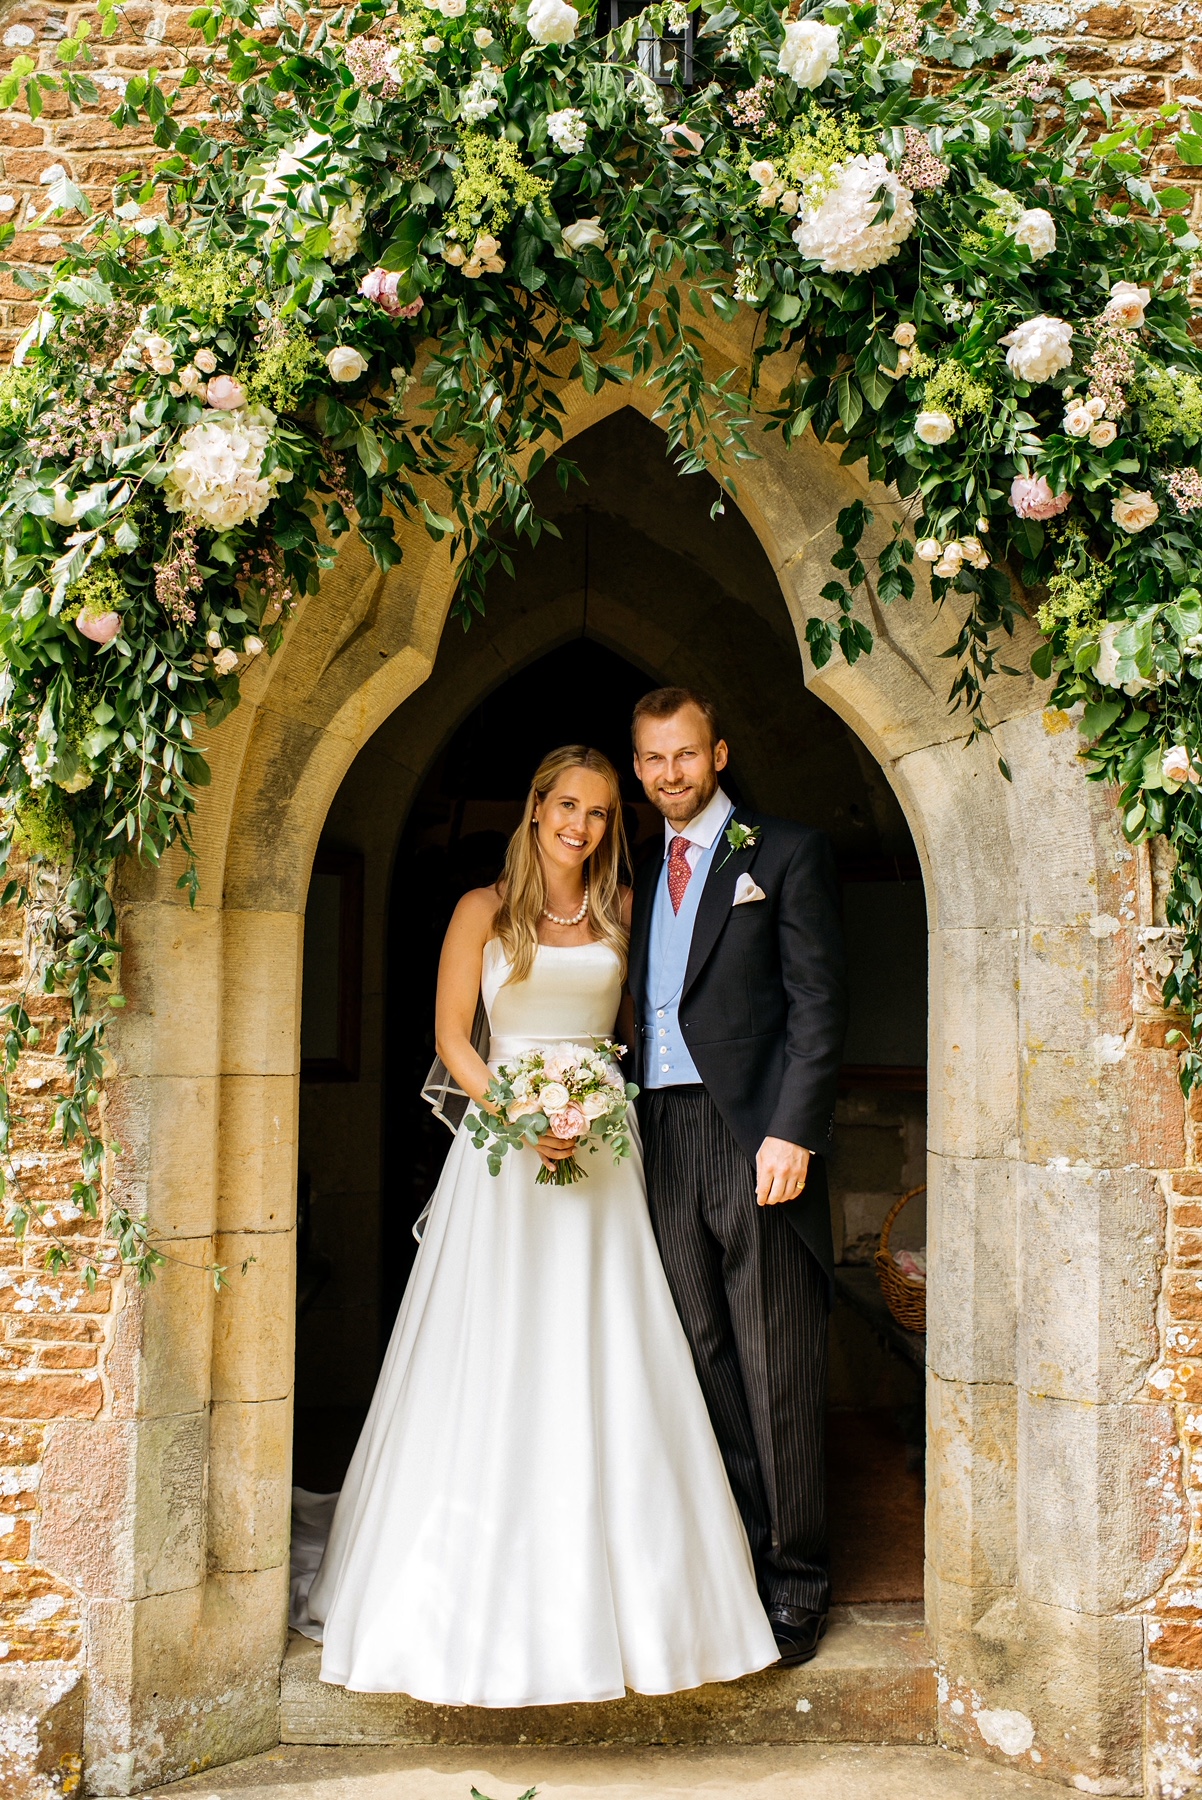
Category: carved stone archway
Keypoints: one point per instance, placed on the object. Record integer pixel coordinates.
(1049, 1459)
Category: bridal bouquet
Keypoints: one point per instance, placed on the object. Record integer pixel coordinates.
(573, 1090)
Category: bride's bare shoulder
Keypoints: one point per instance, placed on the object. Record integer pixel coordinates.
(476, 912)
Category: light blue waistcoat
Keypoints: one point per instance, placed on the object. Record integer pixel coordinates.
(668, 1063)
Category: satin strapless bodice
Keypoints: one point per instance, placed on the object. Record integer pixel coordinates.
(570, 995)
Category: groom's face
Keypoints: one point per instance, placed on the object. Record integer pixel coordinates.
(678, 763)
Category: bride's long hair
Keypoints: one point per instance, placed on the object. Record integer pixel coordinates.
(523, 884)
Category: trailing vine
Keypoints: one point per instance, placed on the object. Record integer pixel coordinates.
(352, 292)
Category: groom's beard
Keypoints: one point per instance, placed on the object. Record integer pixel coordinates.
(681, 809)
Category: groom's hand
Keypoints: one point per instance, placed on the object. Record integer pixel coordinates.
(780, 1171)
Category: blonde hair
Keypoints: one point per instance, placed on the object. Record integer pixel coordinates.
(523, 883)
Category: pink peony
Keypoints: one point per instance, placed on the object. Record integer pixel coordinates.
(102, 628)
(1032, 498)
(569, 1121)
(225, 393)
(381, 285)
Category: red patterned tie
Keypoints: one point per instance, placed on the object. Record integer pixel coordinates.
(678, 870)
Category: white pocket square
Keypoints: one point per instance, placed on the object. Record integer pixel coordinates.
(745, 890)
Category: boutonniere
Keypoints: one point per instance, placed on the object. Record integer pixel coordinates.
(739, 837)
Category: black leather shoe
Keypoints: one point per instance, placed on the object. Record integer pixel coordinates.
(798, 1633)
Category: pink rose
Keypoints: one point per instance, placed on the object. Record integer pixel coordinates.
(682, 140)
(225, 393)
(569, 1122)
(381, 285)
(102, 628)
(411, 311)
(1032, 498)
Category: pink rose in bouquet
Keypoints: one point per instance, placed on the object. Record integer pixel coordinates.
(569, 1121)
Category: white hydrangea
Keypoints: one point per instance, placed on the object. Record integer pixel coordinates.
(839, 231)
(216, 475)
(809, 52)
(1039, 348)
(567, 130)
(552, 22)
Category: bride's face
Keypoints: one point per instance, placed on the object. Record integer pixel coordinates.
(572, 818)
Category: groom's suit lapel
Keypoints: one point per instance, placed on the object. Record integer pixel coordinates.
(717, 897)
(645, 883)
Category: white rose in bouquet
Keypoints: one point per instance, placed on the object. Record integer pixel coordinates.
(1078, 421)
(596, 1105)
(1039, 348)
(809, 52)
(934, 427)
(216, 475)
(840, 233)
(1036, 228)
(553, 1097)
(552, 22)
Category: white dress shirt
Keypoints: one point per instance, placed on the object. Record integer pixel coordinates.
(700, 831)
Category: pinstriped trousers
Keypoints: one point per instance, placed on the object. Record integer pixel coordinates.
(753, 1302)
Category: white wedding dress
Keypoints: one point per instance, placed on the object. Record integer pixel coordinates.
(537, 1510)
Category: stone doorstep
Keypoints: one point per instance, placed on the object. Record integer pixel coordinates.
(871, 1683)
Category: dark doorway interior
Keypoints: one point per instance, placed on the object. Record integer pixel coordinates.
(641, 587)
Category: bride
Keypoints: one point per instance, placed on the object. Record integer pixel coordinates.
(537, 1510)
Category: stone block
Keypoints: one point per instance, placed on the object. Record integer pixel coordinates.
(41, 1732)
(257, 1169)
(158, 1363)
(964, 835)
(184, 1681)
(1090, 1251)
(971, 1257)
(1103, 1518)
(1075, 988)
(973, 1075)
(1079, 1106)
(166, 1127)
(250, 1492)
(263, 968)
(171, 977)
(255, 1323)
(1023, 1676)
(972, 1467)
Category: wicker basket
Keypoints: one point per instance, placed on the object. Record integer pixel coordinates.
(905, 1297)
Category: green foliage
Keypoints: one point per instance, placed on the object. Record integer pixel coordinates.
(1170, 403)
(492, 184)
(329, 230)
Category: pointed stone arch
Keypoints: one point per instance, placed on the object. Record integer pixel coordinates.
(1049, 1123)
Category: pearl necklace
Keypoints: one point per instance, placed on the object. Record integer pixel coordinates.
(576, 917)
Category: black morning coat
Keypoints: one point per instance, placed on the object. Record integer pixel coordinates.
(763, 1008)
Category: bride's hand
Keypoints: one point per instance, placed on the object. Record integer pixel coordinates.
(552, 1149)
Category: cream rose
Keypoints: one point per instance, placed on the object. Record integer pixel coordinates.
(1078, 421)
(905, 334)
(1039, 348)
(928, 550)
(763, 173)
(552, 22)
(205, 361)
(554, 1096)
(1134, 510)
(1126, 304)
(226, 394)
(809, 52)
(345, 363)
(1102, 433)
(585, 234)
(1036, 229)
(934, 427)
(1178, 765)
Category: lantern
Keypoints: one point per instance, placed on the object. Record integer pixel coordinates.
(668, 60)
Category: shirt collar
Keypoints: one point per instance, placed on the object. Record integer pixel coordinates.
(705, 827)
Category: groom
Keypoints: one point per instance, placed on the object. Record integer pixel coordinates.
(736, 970)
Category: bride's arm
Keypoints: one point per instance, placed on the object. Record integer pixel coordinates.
(625, 1025)
(459, 972)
